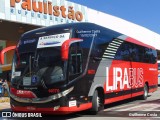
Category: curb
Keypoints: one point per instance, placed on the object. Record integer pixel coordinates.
(2, 100)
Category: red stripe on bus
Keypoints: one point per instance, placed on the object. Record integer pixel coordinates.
(129, 39)
(137, 94)
(111, 100)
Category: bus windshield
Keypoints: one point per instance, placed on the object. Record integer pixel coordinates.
(38, 61)
(44, 64)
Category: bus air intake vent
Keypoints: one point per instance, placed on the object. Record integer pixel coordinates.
(112, 49)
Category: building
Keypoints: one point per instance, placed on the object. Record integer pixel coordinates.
(19, 16)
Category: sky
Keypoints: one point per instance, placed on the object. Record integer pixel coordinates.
(145, 13)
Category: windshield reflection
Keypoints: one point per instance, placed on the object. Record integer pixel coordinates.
(44, 64)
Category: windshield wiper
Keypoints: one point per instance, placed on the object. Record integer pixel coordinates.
(25, 70)
(36, 60)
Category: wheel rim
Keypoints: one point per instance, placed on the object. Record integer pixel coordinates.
(145, 91)
(98, 102)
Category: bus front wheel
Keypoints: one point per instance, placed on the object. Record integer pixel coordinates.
(145, 94)
(95, 103)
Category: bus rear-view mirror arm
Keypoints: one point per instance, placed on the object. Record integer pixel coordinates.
(2, 53)
(66, 45)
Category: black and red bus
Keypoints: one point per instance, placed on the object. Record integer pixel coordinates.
(79, 66)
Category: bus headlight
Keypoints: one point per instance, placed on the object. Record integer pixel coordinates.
(61, 94)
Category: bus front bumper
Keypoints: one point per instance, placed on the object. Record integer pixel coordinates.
(54, 110)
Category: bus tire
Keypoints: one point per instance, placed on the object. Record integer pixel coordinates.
(145, 94)
(95, 103)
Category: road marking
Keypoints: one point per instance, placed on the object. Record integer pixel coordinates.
(136, 107)
(131, 108)
(152, 107)
(120, 107)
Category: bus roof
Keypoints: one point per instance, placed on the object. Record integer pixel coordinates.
(68, 26)
(78, 26)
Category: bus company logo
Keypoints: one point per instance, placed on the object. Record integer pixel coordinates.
(20, 92)
(29, 41)
(129, 77)
(46, 7)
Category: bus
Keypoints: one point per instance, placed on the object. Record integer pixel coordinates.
(67, 68)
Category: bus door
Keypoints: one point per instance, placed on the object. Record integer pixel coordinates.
(75, 61)
(120, 72)
(138, 68)
(124, 72)
(75, 68)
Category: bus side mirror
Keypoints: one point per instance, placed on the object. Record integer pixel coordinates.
(66, 45)
(2, 53)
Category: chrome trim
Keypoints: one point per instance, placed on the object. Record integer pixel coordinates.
(42, 100)
(106, 56)
(110, 51)
(109, 48)
(117, 42)
(109, 54)
(113, 46)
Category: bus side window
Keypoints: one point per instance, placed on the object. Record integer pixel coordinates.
(134, 53)
(123, 52)
(75, 62)
(141, 53)
(150, 55)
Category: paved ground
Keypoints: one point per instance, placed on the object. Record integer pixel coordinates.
(129, 109)
(4, 106)
(4, 103)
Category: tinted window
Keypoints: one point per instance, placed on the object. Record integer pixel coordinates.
(101, 43)
(75, 61)
(150, 55)
(136, 53)
(123, 52)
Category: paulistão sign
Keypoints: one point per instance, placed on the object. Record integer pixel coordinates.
(46, 7)
(42, 12)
